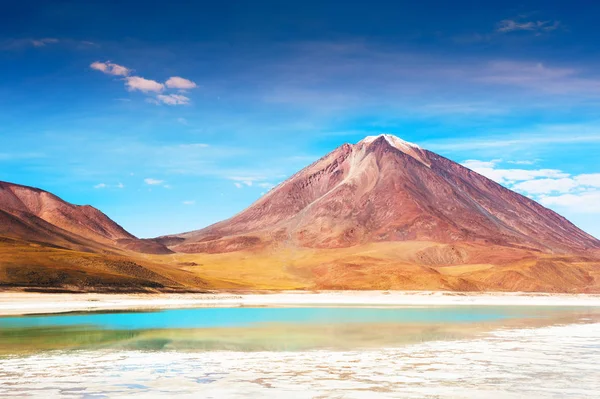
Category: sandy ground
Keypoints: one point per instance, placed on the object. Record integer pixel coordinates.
(18, 303)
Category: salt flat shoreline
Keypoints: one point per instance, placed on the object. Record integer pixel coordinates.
(20, 303)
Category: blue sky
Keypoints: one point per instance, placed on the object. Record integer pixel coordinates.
(169, 116)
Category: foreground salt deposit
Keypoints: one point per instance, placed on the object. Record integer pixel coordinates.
(18, 303)
(549, 362)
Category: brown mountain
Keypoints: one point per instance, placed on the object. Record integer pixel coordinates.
(385, 189)
(33, 214)
(47, 244)
(384, 213)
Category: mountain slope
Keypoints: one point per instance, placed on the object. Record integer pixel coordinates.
(32, 214)
(384, 189)
(386, 214)
(48, 244)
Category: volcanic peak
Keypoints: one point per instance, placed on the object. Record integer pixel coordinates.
(392, 140)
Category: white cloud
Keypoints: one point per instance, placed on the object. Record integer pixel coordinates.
(153, 182)
(510, 25)
(176, 82)
(524, 140)
(173, 99)
(503, 176)
(521, 162)
(149, 86)
(193, 146)
(539, 77)
(246, 178)
(144, 85)
(465, 108)
(110, 68)
(191, 202)
(249, 180)
(551, 187)
(266, 185)
(591, 180)
(11, 44)
(183, 121)
(546, 186)
(586, 202)
(44, 41)
(476, 164)
(104, 185)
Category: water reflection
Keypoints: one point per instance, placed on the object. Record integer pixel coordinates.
(269, 329)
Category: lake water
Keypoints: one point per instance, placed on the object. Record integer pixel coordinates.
(305, 352)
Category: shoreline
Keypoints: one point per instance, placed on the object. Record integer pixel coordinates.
(21, 303)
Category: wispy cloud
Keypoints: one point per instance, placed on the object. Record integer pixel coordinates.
(153, 182)
(251, 181)
(110, 68)
(538, 76)
(521, 162)
(189, 202)
(149, 86)
(547, 186)
(460, 108)
(475, 164)
(173, 99)
(551, 187)
(512, 25)
(144, 85)
(104, 185)
(193, 146)
(337, 80)
(43, 42)
(587, 202)
(16, 44)
(540, 135)
(490, 170)
(177, 82)
(5, 156)
(266, 185)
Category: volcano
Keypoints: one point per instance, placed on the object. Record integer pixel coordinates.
(385, 189)
(386, 214)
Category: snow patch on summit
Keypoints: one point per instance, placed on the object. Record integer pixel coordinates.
(394, 141)
(405, 147)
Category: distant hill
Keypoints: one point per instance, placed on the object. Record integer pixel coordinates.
(47, 244)
(33, 214)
